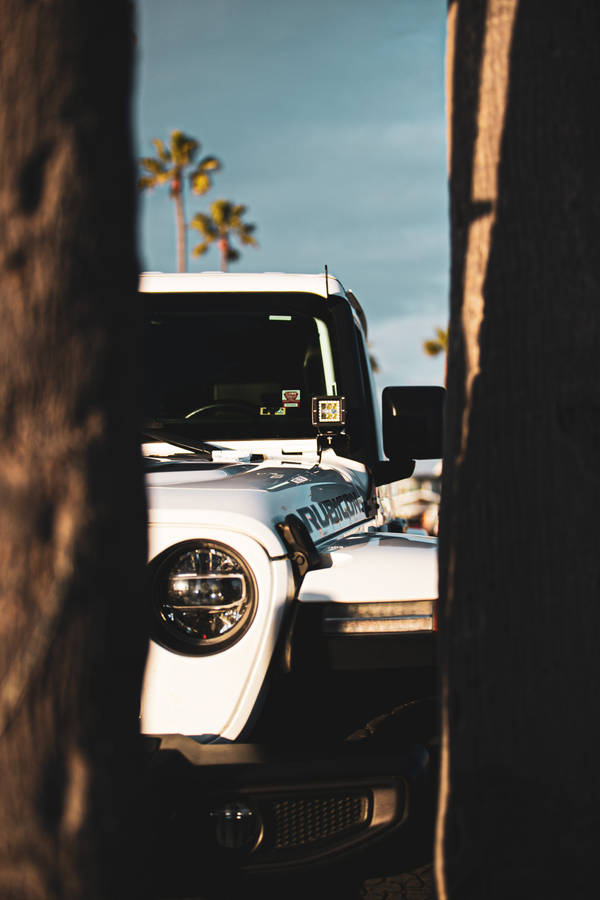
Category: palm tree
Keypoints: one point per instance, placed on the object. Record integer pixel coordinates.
(224, 220)
(70, 680)
(373, 359)
(170, 165)
(520, 781)
(437, 345)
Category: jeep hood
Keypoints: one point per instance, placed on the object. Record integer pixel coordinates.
(328, 497)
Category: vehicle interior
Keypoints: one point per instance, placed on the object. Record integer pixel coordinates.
(231, 369)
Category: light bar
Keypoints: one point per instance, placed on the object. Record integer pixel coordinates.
(397, 617)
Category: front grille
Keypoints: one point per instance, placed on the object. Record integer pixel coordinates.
(298, 822)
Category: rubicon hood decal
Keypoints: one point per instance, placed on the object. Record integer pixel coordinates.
(344, 508)
(327, 498)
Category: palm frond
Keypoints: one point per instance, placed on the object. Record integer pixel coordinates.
(146, 183)
(200, 249)
(161, 150)
(247, 238)
(437, 345)
(432, 348)
(200, 182)
(210, 164)
(154, 166)
(204, 224)
(220, 211)
(374, 363)
(183, 148)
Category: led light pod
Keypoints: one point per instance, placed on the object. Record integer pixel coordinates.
(328, 413)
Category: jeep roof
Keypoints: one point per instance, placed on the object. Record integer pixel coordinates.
(243, 282)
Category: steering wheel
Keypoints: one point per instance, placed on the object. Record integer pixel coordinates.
(240, 406)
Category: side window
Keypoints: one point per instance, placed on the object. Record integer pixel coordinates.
(369, 391)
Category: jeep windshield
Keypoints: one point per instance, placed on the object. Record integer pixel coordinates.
(227, 366)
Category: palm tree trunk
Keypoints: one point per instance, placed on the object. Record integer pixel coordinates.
(181, 228)
(519, 562)
(224, 253)
(72, 532)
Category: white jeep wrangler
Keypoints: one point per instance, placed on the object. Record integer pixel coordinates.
(280, 602)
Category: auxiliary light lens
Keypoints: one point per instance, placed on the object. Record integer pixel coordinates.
(328, 412)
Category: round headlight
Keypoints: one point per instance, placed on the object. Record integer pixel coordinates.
(204, 597)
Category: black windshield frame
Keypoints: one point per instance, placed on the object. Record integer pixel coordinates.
(290, 426)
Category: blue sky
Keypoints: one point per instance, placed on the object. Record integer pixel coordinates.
(328, 116)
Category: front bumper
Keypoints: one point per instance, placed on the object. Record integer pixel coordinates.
(248, 808)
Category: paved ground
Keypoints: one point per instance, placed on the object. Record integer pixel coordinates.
(415, 885)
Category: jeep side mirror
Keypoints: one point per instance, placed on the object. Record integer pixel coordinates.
(413, 421)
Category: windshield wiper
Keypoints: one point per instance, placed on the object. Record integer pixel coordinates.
(167, 437)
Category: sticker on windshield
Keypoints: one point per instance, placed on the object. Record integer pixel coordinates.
(290, 399)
